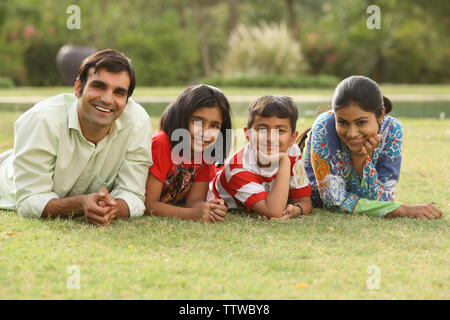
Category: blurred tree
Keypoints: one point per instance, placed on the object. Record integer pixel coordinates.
(292, 18)
(161, 52)
(412, 45)
(233, 15)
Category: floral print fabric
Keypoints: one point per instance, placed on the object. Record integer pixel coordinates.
(328, 164)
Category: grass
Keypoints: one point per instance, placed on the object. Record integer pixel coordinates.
(322, 256)
(387, 89)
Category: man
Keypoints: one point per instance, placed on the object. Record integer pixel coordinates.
(83, 154)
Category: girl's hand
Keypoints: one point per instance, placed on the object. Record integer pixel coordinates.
(201, 211)
(218, 210)
(419, 211)
(369, 146)
(211, 211)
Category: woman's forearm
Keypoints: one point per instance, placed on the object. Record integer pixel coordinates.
(359, 163)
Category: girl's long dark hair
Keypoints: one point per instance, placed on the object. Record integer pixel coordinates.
(178, 113)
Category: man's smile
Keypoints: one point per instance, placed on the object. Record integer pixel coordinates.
(102, 108)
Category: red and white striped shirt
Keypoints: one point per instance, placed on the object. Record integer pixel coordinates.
(243, 183)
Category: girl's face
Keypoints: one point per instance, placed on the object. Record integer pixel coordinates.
(354, 126)
(204, 127)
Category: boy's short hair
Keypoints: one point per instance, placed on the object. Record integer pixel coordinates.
(269, 106)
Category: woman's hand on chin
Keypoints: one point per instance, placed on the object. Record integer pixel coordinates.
(369, 146)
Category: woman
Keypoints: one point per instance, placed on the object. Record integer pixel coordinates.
(354, 155)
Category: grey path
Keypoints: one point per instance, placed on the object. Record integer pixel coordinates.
(297, 98)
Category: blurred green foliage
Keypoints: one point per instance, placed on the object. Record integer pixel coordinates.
(274, 80)
(262, 50)
(6, 82)
(162, 53)
(175, 42)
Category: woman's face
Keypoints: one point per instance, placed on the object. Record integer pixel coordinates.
(204, 127)
(354, 126)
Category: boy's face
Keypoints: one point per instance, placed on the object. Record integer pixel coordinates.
(271, 134)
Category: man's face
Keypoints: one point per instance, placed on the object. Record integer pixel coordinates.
(102, 100)
(271, 134)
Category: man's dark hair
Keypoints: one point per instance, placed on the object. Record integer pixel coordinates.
(110, 59)
(269, 106)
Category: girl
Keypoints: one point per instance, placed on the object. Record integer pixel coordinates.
(182, 170)
(354, 154)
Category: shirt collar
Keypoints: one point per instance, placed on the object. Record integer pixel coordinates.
(74, 122)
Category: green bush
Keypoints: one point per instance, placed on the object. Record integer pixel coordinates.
(262, 50)
(303, 81)
(40, 64)
(6, 82)
(163, 54)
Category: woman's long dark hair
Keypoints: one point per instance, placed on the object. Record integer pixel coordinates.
(178, 113)
(358, 90)
(363, 92)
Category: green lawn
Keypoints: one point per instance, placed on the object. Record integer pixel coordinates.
(387, 89)
(322, 256)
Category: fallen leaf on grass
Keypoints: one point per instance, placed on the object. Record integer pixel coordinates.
(301, 286)
(14, 234)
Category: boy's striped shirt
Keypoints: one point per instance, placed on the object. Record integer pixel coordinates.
(243, 183)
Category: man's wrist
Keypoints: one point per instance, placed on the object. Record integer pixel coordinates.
(81, 202)
(123, 210)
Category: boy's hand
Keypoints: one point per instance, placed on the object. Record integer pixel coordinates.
(271, 158)
(263, 217)
(291, 211)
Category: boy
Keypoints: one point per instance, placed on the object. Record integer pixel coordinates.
(268, 171)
